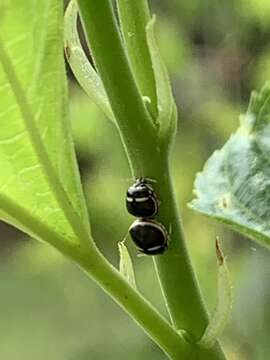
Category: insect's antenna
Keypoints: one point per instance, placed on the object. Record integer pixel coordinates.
(151, 180)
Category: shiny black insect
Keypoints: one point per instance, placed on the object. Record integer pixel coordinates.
(150, 237)
(141, 200)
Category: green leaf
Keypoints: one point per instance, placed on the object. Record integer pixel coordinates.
(167, 111)
(40, 189)
(80, 65)
(125, 264)
(222, 313)
(234, 186)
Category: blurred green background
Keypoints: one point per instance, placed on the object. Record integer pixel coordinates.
(217, 51)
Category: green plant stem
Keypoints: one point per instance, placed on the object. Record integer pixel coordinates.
(177, 278)
(146, 316)
(134, 16)
(118, 81)
(100, 270)
(174, 268)
(147, 159)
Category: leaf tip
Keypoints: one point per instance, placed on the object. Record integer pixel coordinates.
(151, 23)
(125, 265)
(220, 256)
(67, 51)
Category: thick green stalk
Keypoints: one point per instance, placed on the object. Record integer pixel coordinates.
(100, 270)
(119, 83)
(177, 279)
(148, 159)
(134, 16)
(96, 266)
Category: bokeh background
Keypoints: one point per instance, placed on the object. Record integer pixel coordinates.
(216, 51)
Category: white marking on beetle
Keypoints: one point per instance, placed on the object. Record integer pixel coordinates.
(154, 248)
(150, 223)
(142, 199)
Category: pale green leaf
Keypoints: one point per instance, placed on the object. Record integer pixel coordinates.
(125, 264)
(234, 186)
(167, 112)
(38, 166)
(80, 65)
(222, 313)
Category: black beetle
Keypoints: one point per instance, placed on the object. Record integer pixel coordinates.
(141, 200)
(150, 237)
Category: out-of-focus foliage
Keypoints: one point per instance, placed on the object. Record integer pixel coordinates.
(234, 184)
(216, 51)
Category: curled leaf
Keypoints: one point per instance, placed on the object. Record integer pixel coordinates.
(167, 114)
(125, 264)
(80, 65)
(222, 313)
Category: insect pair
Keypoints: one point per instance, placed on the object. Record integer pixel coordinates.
(149, 235)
